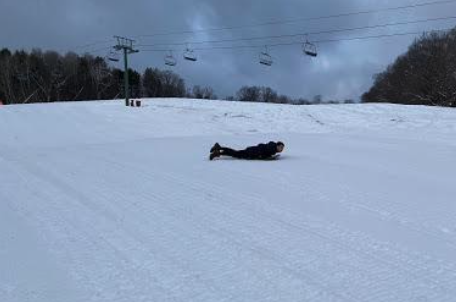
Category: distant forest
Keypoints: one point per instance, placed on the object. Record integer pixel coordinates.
(424, 75)
(47, 76)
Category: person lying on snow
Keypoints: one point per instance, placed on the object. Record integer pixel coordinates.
(261, 151)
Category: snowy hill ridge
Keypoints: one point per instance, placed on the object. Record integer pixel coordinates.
(87, 121)
(100, 202)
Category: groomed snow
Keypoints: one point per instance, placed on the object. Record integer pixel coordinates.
(100, 202)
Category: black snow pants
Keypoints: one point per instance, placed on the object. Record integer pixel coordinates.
(240, 154)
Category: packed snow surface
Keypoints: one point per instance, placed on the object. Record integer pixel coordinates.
(101, 202)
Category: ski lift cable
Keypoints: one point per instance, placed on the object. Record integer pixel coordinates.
(336, 30)
(296, 20)
(81, 48)
(423, 4)
(361, 38)
(97, 50)
(95, 43)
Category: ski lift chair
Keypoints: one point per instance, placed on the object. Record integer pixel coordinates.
(170, 60)
(310, 49)
(265, 58)
(113, 56)
(190, 55)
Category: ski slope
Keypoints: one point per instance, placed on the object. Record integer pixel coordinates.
(99, 202)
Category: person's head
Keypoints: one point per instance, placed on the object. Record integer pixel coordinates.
(280, 147)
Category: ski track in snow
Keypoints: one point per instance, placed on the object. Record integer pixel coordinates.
(105, 203)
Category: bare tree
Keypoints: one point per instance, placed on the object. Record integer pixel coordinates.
(206, 93)
(423, 76)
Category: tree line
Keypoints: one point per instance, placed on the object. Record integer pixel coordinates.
(424, 75)
(47, 76)
(263, 94)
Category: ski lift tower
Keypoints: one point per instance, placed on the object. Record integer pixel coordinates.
(125, 45)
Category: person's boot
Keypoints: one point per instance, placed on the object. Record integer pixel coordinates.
(216, 147)
(214, 154)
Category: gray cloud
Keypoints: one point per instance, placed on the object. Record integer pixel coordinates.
(342, 70)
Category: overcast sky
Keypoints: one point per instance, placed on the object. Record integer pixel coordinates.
(341, 70)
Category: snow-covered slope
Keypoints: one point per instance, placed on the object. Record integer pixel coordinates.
(99, 202)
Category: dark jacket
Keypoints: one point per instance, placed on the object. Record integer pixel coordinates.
(261, 151)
